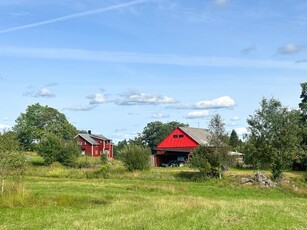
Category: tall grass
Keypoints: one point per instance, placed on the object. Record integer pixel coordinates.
(58, 197)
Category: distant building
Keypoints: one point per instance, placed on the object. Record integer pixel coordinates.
(180, 144)
(94, 144)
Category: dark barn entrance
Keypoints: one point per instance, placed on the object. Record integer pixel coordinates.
(164, 157)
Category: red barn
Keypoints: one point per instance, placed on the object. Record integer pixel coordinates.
(179, 144)
(94, 144)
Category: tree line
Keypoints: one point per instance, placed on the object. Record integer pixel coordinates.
(277, 137)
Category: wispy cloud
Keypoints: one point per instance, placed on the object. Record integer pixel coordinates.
(137, 98)
(146, 58)
(45, 92)
(80, 107)
(235, 118)
(247, 50)
(72, 16)
(220, 2)
(197, 114)
(290, 49)
(159, 115)
(301, 61)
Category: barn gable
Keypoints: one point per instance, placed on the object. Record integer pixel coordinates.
(178, 139)
(179, 144)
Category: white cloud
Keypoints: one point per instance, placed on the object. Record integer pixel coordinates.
(220, 2)
(71, 16)
(290, 49)
(80, 107)
(97, 98)
(4, 127)
(241, 131)
(235, 118)
(197, 114)
(159, 115)
(135, 98)
(43, 92)
(217, 103)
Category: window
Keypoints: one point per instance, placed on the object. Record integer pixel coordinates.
(175, 136)
(181, 136)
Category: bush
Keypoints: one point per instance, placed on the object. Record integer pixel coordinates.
(11, 160)
(210, 161)
(103, 158)
(135, 157)
(53, 148)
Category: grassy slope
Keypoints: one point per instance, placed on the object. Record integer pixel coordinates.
(153, 200)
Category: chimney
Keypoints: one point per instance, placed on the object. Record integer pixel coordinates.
(89, 132)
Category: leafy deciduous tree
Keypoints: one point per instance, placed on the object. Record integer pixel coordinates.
(38, 120)
(275, 134)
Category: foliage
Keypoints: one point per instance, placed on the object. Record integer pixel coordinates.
(53, 148)
(303, 103)
(210, 161)
(11, 160)
(275, 134)
(217, 129)
(135, 157)
(234, 140)
(103, 158)
(213, 159)
(199, 160)
(32, 125)
(303, 124)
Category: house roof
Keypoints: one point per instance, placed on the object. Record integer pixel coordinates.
(201, 136)
(90, 138)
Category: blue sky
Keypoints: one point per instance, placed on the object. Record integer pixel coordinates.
(113, 66)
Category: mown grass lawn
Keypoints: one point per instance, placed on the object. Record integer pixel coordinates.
(158, 199)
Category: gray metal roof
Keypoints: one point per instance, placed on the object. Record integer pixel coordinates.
(89, 138)
(201, 136)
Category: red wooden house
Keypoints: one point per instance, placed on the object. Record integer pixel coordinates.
(179, 144)
(94, 144)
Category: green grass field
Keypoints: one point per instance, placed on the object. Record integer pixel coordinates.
(61, 198)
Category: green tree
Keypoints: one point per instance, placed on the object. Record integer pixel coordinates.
(199, 160)
(303, 103)
(11, 160)
(135, 157)
(275, 134)
(217, 129)
(213, 159)
(156, 131)
(53, 148)
(234, 140)
(38, 120)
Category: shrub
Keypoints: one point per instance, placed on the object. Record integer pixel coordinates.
(103, 158)
(11, 160)
(210, 161)
(53, 148)
(135, 157)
